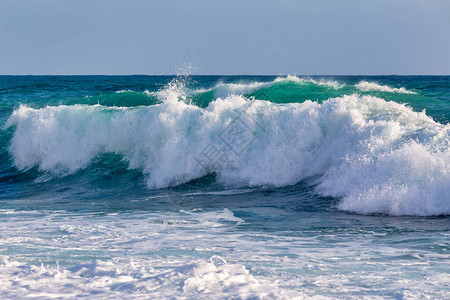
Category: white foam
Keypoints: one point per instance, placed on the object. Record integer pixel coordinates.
(204, 279)
(174, 254)
(372, 86)
(124, 268)
(377, 156)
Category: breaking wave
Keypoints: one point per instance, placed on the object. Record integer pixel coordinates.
(376, 156)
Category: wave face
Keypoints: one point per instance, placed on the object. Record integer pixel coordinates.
(374, 155)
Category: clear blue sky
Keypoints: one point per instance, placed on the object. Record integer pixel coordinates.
(225, 37)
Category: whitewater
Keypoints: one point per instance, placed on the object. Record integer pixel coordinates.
(240, 187)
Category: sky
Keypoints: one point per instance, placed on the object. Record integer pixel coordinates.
(320, 37)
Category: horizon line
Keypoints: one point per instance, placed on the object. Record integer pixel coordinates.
(224, 74)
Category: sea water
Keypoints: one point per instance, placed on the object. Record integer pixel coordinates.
(225, 186)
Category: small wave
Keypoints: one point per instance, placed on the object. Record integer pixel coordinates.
(327, 83)
(223, 90)
(372, 86)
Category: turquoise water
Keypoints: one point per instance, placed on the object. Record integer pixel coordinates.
(237, 186)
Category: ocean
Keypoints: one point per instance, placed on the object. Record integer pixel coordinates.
(202, 187)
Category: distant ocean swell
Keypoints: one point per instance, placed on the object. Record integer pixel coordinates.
(375, 156)
(281, 90)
